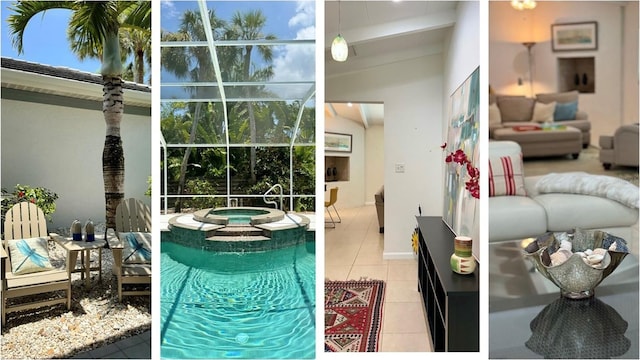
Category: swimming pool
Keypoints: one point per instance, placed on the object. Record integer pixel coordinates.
(237, 305)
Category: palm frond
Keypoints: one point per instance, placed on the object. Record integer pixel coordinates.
(135, 15)
(24, 11)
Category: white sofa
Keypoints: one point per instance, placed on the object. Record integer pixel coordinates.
(519, 217)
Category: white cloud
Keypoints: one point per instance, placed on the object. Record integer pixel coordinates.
(297, 62)
(305, 14)
(169, 8)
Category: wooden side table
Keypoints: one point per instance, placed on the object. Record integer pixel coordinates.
(84, 249)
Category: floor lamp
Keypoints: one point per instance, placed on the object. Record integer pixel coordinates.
(529, 45)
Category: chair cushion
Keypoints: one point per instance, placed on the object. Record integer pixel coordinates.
(136, 247)
(569, 211)
(29, 255)
(506, 176)
(507, 215)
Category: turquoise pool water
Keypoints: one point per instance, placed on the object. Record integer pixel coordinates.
(238, 216)
(238, 212)
(237, 305)
(239, 219)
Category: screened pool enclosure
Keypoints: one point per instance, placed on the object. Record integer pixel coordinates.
(238, 105)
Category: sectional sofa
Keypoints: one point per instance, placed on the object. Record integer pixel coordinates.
(545, 109)
(529, 206)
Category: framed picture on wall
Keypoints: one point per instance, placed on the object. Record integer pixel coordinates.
(337, 142)
(461, 208)
(574, 36)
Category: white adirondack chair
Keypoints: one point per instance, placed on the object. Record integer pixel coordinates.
(132, 216)
(23, 221)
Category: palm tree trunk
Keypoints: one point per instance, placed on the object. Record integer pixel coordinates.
(139, 73)
(113, 154)
(187, 153)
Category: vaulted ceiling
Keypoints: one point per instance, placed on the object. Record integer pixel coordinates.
(379, 33)
(364, 114)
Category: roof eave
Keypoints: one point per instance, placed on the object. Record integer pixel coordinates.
(23, 80)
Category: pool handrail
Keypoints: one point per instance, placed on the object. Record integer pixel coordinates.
(264, 196)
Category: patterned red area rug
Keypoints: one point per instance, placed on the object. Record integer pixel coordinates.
(352, 315)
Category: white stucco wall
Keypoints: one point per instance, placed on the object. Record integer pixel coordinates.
(366, 163)
(374, 162)
(412, 95)
(350, 193)
(462, 57)
(630, 58)
(60, 148)
(616, 59)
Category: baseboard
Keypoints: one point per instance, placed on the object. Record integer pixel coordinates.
(370, 203)
(398, 255)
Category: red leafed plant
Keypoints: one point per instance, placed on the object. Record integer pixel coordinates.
(459, 157)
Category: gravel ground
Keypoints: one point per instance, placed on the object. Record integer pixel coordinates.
(96, 317)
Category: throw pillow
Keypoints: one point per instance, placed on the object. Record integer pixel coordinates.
(515, 108)
(566, 111)
(137, 247)
(506, 176)
(29, 255)
(543, 112)
(494, 115)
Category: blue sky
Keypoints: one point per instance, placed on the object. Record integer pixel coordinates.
(45, 41)
(277, 13)
(285, 19)
(45, 38)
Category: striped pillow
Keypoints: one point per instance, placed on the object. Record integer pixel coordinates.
(506, 176)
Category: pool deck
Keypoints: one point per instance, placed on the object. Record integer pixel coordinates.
(135, 347)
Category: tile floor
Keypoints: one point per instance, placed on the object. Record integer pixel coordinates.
(135, 347)
(354, 250)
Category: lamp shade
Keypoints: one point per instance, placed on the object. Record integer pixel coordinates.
(339, 48)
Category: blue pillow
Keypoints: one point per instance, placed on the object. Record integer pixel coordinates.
(565, 111)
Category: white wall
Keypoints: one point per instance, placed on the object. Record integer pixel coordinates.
(374, 162)
(462, 57)
(350, 193)
(616, 59)
(412, 95)
(462, 50)
(60, 148)
(631, 95)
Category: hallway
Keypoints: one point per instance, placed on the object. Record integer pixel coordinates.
(353, 250)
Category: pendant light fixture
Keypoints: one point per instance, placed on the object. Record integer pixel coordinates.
(523, 4)
(339, 47)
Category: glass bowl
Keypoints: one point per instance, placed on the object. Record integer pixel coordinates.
(570, 259)
(579, 329)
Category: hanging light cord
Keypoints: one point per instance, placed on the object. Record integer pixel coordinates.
(339, 19)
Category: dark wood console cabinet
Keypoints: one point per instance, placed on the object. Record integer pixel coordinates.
(451, 300)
